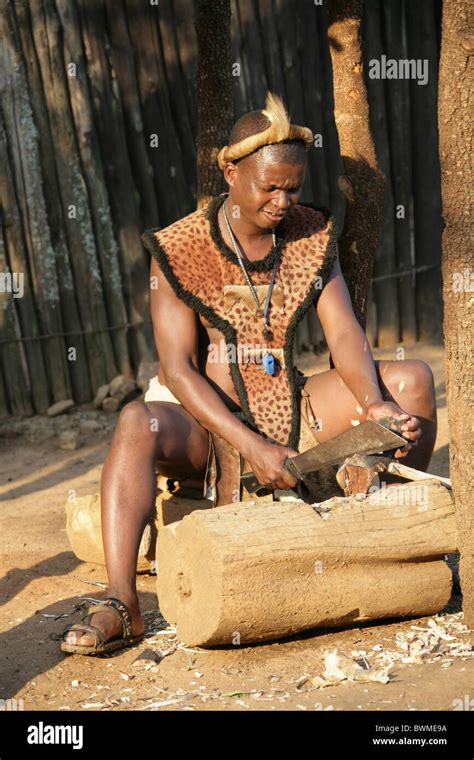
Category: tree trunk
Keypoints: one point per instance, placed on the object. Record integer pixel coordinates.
(455, 143)
(363, 183)
(214, 95)
(267, 570)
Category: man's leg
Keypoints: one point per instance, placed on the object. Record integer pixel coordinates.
(148, 436)
(408, 383)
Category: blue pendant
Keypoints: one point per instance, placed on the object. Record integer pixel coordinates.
(269, 364)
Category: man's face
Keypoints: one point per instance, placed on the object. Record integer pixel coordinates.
(261, 186)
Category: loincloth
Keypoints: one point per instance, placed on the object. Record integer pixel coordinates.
(221, 481)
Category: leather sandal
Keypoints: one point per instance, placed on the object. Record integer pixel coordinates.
(110, 604)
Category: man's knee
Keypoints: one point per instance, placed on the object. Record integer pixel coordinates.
(422, 378)
(415, 378)
(137, 419)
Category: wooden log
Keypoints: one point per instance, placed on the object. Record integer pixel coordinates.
(84, 530)
(176, 499)
(360, 473)
(244, 573)
(172, 509)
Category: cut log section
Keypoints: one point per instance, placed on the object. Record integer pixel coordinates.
(243, 573)
(360, 473)
(83, 528)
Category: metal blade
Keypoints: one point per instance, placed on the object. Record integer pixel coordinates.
(369, 437)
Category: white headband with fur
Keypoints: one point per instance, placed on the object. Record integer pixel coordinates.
(280, 129)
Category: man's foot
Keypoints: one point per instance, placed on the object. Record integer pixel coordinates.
(109, 624)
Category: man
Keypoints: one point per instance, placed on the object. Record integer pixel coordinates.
(247, 268)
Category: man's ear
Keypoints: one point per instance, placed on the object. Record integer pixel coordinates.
(230, 171)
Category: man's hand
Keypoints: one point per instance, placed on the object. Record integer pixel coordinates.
(410, 429)
(266, 460)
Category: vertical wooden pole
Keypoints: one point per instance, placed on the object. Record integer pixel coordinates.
(91, 160)
(26, 179)
(18, 359)
(457, 180)
(179, 106)
(78, 369)
(124, 197)
(74, 197)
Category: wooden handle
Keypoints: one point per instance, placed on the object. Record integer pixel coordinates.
(396, 468)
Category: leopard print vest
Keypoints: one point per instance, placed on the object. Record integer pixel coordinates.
(204, 272)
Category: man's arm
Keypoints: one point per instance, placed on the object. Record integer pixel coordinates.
(347, 342)
(352, 356)
(176, 339)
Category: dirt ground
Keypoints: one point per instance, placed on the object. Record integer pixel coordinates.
(44, 587)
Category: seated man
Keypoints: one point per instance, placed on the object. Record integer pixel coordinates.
(248, 267)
